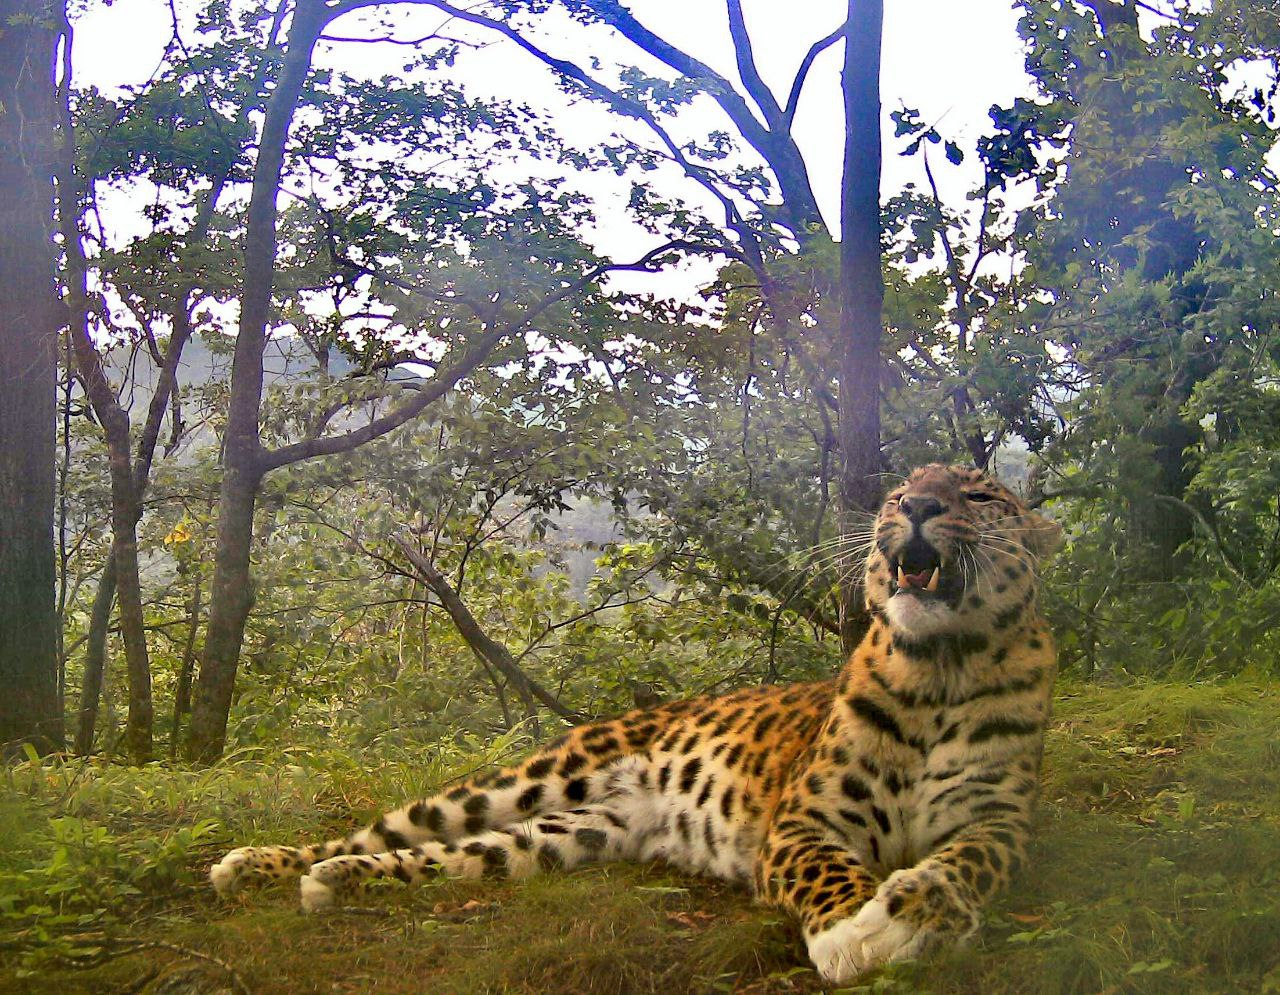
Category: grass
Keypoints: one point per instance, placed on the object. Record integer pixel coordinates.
(1156, 868)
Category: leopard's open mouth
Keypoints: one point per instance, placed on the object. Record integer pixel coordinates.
(918, 570)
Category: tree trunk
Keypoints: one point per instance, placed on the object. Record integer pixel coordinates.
(29, 321)
(861, 297)
(229, 603)
(124, 546)
(129, 479)
(95, 657)
(127, 497)
(182, 696)
(230, 597)
(124, 552)
(245, 462)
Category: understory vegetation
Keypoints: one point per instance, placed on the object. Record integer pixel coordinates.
(1154, 869)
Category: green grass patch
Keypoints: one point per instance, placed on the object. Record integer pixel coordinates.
(1156, 868)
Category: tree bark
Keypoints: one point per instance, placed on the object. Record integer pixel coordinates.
(125, 507)
(96, 643)
(231, 597)
(861, 297)
(29, 321)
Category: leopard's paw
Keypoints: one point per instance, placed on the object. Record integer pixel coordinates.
(867, 940)
(316, 895)
(228, 874)
(837, 952)
(910, 914)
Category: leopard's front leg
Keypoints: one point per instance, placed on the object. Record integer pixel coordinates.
(937, 901)
(822, 883)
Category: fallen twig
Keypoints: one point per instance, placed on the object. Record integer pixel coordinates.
(112, 948)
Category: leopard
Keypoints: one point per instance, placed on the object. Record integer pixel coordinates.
(882, 808)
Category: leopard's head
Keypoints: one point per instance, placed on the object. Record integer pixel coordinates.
(955, 551)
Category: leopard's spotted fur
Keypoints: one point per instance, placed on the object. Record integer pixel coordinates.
(882, 808)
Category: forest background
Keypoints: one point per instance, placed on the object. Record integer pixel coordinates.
(397, 422)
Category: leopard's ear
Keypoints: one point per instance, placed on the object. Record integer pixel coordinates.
(1043, 536)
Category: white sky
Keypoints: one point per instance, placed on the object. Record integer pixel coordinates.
(949, 59)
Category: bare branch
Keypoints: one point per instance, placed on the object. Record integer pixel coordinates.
(974, 441)
(720, 89)
(1211, 530)
(627, 108)
(751, 79)
(797, 85)
(1155, 10)
(487, 649)
(775, 147)
(410, 42)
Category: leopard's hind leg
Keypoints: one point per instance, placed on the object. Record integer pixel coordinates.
(566, 775)
(557, 840)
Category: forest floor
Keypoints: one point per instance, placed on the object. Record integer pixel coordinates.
(1156, 868)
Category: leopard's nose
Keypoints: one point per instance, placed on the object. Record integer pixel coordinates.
(920, 507)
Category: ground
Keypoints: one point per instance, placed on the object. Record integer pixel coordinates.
(1156, 868)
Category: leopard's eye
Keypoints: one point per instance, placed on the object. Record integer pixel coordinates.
(980, 497)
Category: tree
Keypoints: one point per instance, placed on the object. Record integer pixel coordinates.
(861, 293)
(230, 597)
(393, 256)
(118, 141)
(30, 705)
(1154, 260)
(772, 226)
